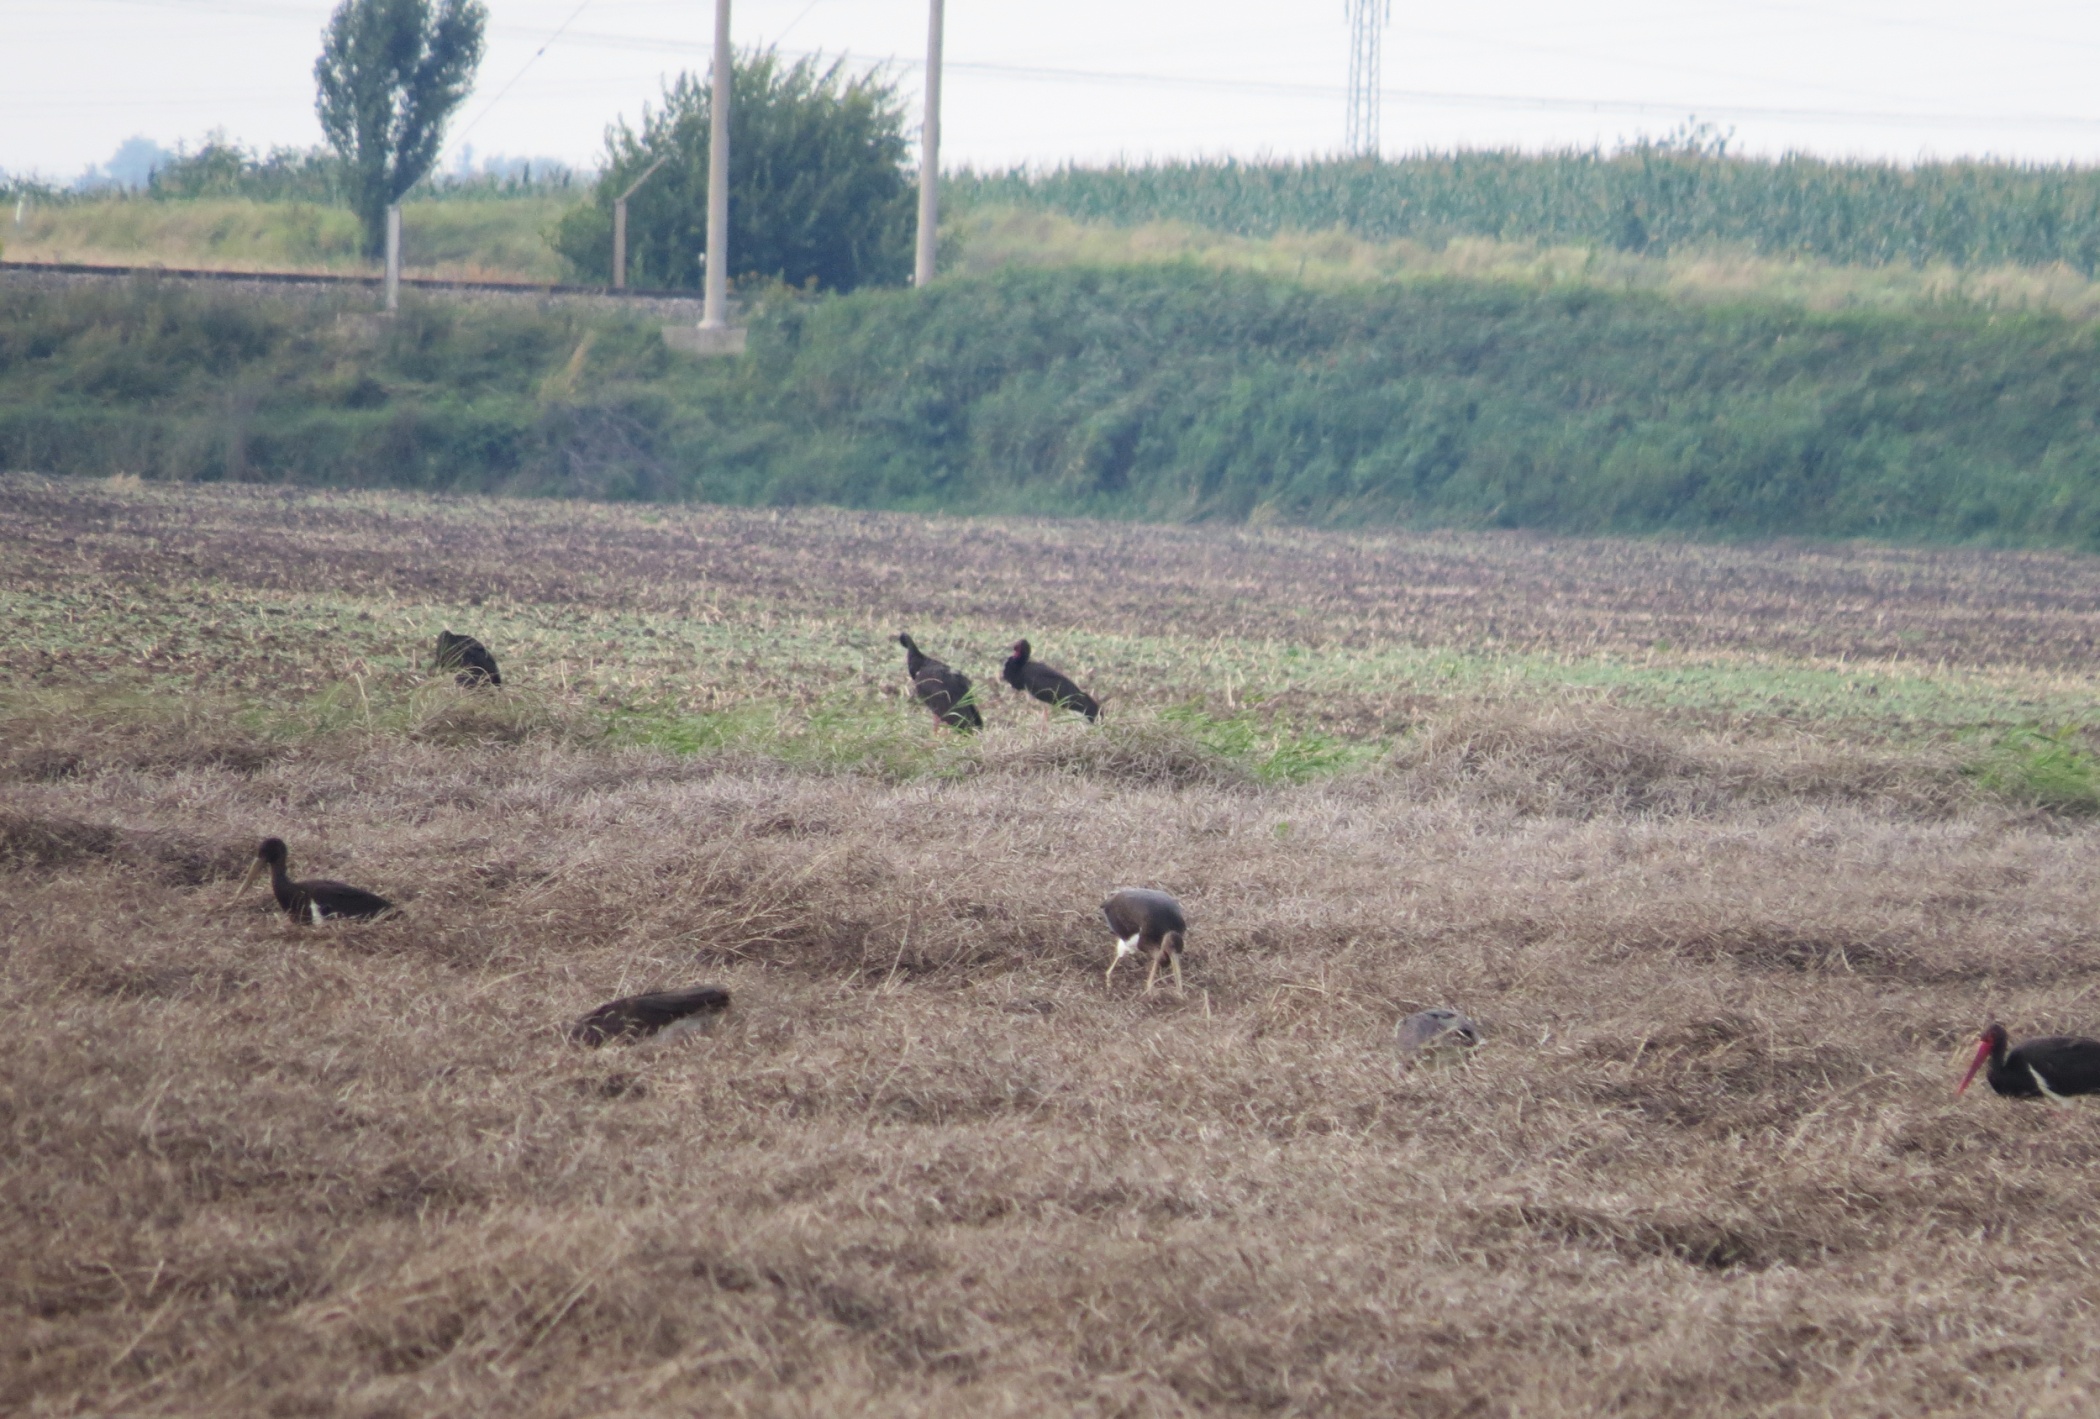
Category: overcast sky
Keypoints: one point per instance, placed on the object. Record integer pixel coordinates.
(1092, 80)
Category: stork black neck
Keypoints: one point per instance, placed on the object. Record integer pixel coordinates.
(2006, 1079)
(281, 885)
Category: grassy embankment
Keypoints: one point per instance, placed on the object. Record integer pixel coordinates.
(991, 239)
(1158, 392)
(1729, 848)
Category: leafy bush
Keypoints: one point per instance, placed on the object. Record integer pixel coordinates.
(819, 192)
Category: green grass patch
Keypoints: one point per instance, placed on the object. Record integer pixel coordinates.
(1272, 750)
(840, 732)
(2053, 769)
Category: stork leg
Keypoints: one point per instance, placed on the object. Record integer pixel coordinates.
(1153, 974)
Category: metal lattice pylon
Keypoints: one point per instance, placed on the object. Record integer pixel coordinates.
(1367, 22)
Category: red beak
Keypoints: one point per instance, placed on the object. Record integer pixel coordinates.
(1983, 1052)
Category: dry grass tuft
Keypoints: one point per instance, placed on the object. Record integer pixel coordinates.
(453, 717)
(30, 841)
(1142, 753)
(1606, 759)
(55, 735)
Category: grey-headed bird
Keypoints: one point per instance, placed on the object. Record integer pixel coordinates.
(1438, 1032)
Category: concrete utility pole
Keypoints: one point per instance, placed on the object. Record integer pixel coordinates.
(714, 335)
(620, 222)
(930, 149)
(393, 256)
(715, 314)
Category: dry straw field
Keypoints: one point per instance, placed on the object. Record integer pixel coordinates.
(1729, 850)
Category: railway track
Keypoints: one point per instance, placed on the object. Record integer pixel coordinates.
(61, 273)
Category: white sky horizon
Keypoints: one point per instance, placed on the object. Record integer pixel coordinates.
(1094, 81)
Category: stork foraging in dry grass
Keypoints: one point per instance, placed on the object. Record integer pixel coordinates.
(317, 900)
(1435, 1033)
(2054, 1067)
(943, 690)
(1145, 920)
(469, 657)
(635, 1016)
(1053, 688)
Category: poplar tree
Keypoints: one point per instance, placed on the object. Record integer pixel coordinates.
(391, 72)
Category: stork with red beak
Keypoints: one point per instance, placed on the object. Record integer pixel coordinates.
(2054, 1067)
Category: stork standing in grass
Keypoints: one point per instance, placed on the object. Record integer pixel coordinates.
(316, 900)
(469, 657)
(943, 690)
(1032, 677)
(2054, 1067)
(1145, 920)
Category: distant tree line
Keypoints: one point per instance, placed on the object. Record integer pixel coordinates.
(219, 167)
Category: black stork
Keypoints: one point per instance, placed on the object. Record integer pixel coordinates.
(2053, 1067)
(315, 901)
(943, 690)
(1438, 1033)
(1052, 687)
(634, 1016)
(1145, 920)
(469, 657)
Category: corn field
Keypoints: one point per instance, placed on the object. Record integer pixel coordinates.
(1651, 198)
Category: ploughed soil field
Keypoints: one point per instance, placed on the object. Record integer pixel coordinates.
(1731, 852)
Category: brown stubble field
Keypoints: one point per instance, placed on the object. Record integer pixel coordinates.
(1709, 1161)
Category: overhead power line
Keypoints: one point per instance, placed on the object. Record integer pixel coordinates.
(1286, 88)
(1449, 98)
(461, 136)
